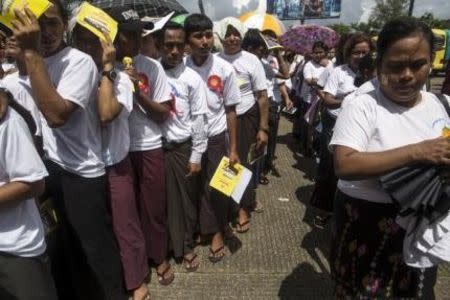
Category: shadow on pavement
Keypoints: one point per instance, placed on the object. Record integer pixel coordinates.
(305, 283)
(305, 164)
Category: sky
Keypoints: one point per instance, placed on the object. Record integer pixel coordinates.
(352, 10)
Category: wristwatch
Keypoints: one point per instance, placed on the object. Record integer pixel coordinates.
(111, 74)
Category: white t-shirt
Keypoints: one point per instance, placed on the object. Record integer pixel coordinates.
(340, 83)
(19, 87)
(189, 92)
(146, 133)
(21, 229)
(372, 123)
(250, 77)
(323, 78)
(311, 70)
(365, 88)
(271, 71)
(223, 90)
(76, 146)
(116, 134)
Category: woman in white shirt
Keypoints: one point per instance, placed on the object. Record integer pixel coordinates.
(24, 264)
(391, 127)
(339, 84)
(252, 112)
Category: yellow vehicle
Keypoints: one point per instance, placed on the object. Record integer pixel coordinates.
(441, 47)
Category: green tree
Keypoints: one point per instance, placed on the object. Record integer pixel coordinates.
(340, 28)
(431, 21)
(386, 10)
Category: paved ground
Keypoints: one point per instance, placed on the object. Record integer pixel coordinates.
(282, 256)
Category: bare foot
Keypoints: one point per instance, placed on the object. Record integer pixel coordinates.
(141, 293)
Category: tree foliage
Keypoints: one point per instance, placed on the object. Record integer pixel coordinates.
(386, 10)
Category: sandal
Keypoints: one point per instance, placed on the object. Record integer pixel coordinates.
(188, 263)
(216, 255)
(240, 225)
(165, 280)
(263, 180)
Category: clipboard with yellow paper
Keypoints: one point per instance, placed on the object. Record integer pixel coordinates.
(231, 182)
(96, 21)
(7, 7)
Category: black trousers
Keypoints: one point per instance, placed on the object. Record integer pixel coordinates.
(26, 278)
(83, 250)
(274, 120)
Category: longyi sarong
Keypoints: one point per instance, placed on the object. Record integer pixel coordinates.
(182, 198)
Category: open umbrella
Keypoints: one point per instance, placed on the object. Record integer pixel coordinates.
(301, 38)
(179, 19)
(263, 21)
(145, 8)
(419, 191)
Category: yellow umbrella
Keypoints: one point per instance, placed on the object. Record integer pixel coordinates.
(263, 21)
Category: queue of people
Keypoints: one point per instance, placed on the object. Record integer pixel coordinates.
(123, 141)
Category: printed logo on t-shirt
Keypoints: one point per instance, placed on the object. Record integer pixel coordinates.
(442, 125)
(173, 103)
(144, 83)
(215, 84)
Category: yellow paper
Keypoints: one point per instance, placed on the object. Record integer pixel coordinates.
(225, 179)
(446, 132)
(38, 7)
(96, 21)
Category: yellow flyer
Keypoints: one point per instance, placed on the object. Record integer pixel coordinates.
(231, 182)
(38, 7)
(96, 21)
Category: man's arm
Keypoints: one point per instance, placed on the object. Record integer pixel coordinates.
(18, 191)
(230, 112)
(55, 109)
(263, 104)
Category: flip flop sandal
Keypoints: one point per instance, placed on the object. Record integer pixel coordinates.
(188, 263)
(213, 256)
(239, 230)
(263, 180)
(165, 280)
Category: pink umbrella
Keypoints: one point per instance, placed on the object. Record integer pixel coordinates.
(301, 38)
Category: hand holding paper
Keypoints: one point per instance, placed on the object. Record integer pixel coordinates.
(8, 9)
(26, 30)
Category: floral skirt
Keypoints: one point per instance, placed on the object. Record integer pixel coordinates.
(366, 254)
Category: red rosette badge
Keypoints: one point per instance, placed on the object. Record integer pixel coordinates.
(144, 85)
(215, 84)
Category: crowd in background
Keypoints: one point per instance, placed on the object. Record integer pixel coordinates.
(123, 137)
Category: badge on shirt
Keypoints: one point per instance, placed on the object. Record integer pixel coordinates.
(144, 84)
(215, 84)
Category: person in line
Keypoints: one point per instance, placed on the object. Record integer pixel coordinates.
(223, 95)
(340, 83)
(253, 110)
(254, 43)
(395, 125)
(24, 264)
(311, 90)
(114, 105)
(151, 108)
(72, 146)
(186, 139)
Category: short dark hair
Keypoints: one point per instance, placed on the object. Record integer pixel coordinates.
(401, 28)
(271, 33)
(253, 39)
(354, 40)
(320, 44)
(159, 35)
(197, 22)
(62, 9)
